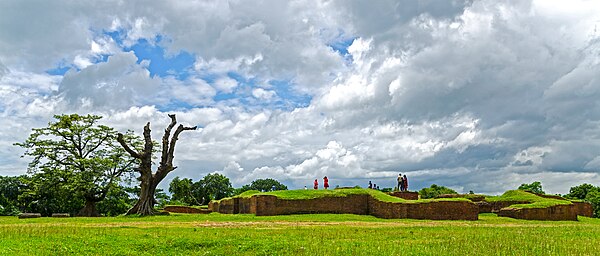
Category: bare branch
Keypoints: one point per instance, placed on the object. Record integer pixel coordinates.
(127, 148)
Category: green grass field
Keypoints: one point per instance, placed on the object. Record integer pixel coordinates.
(324, 234)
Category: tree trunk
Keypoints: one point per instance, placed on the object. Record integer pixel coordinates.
(149, 181)
(145, 203)
(90, 209)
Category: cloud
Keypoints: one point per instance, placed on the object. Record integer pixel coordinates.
(474, 95)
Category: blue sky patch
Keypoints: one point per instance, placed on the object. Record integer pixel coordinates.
(160, 64)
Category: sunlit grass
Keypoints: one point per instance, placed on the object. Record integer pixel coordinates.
(312, 234)
(523, 196)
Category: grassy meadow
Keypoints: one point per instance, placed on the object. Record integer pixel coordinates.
(325, 234)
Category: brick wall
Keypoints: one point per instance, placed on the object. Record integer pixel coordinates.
(185, 209)
(270, 205)
(557, 212)
(584, 209)
(405, 195)
(442, 210)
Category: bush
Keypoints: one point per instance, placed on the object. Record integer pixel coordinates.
(434, 191)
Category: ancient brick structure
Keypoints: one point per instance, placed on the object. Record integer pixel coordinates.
(405, 195)
(266, 205)
(184, 209)
(584, 209)
(557, 212)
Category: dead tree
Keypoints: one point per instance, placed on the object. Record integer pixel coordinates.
(148, 180)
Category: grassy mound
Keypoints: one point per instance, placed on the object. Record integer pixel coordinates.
(302, 194)
(523, 196)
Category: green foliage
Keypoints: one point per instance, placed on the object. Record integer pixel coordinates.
(434, 191)
(594, 198)
(581, 191)
(263, 185)
(182, 191)
(10, 189)
(74, 157)
(215, 186)
(117, 202)
(535, 187)
(300, 194)
(210, 187)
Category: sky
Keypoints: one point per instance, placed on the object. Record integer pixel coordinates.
(474, 95)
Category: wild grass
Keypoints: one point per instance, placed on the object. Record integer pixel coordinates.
(324, 234)
(523, 196)
(301, 194)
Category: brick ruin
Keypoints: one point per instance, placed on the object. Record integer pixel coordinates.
(557, 212)
(267, 205)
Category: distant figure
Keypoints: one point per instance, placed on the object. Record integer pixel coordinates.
(377, 187)
(370, 185)
(325, 182)
(273, 188)
(374, 186)
(316, 184)
(305, 188)
(400, 181)
(405, 183)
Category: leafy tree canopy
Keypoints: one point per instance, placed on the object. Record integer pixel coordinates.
(265, 185)
(535, 187)
(76, 155)
(434, 191)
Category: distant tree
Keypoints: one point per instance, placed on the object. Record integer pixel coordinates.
(215, 186)
(588, 193)
(48, 193)
(265, 185)
(10, 190)
(581, 191)
(149, 180)
(593, 197)
(387, 189)
(435, 191)
(77, 156)
(535, 187)
(182, 191)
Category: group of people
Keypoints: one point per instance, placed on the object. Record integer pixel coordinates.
(325, 183)
(373, 186)
(402, 182)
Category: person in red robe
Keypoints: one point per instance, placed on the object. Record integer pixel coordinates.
(316, 184)
(325, 182)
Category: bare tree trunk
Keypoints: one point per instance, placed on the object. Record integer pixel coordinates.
(90, 209)
(148, 180)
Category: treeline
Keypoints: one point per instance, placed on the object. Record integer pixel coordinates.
(31, 194)
(585, 192)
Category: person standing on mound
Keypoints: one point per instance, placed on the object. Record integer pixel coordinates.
(316, 184)
(325, 182)
(405, 183)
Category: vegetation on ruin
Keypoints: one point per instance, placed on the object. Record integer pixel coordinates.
(311, 234)
(301, 194)
(524, 196)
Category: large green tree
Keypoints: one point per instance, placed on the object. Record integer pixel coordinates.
(588, 193)
(215, 186)
(263, 185)
(212, 186)
(182, 191)
(75, 154)
(434, 191)
(535, 187)
(149, 180)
